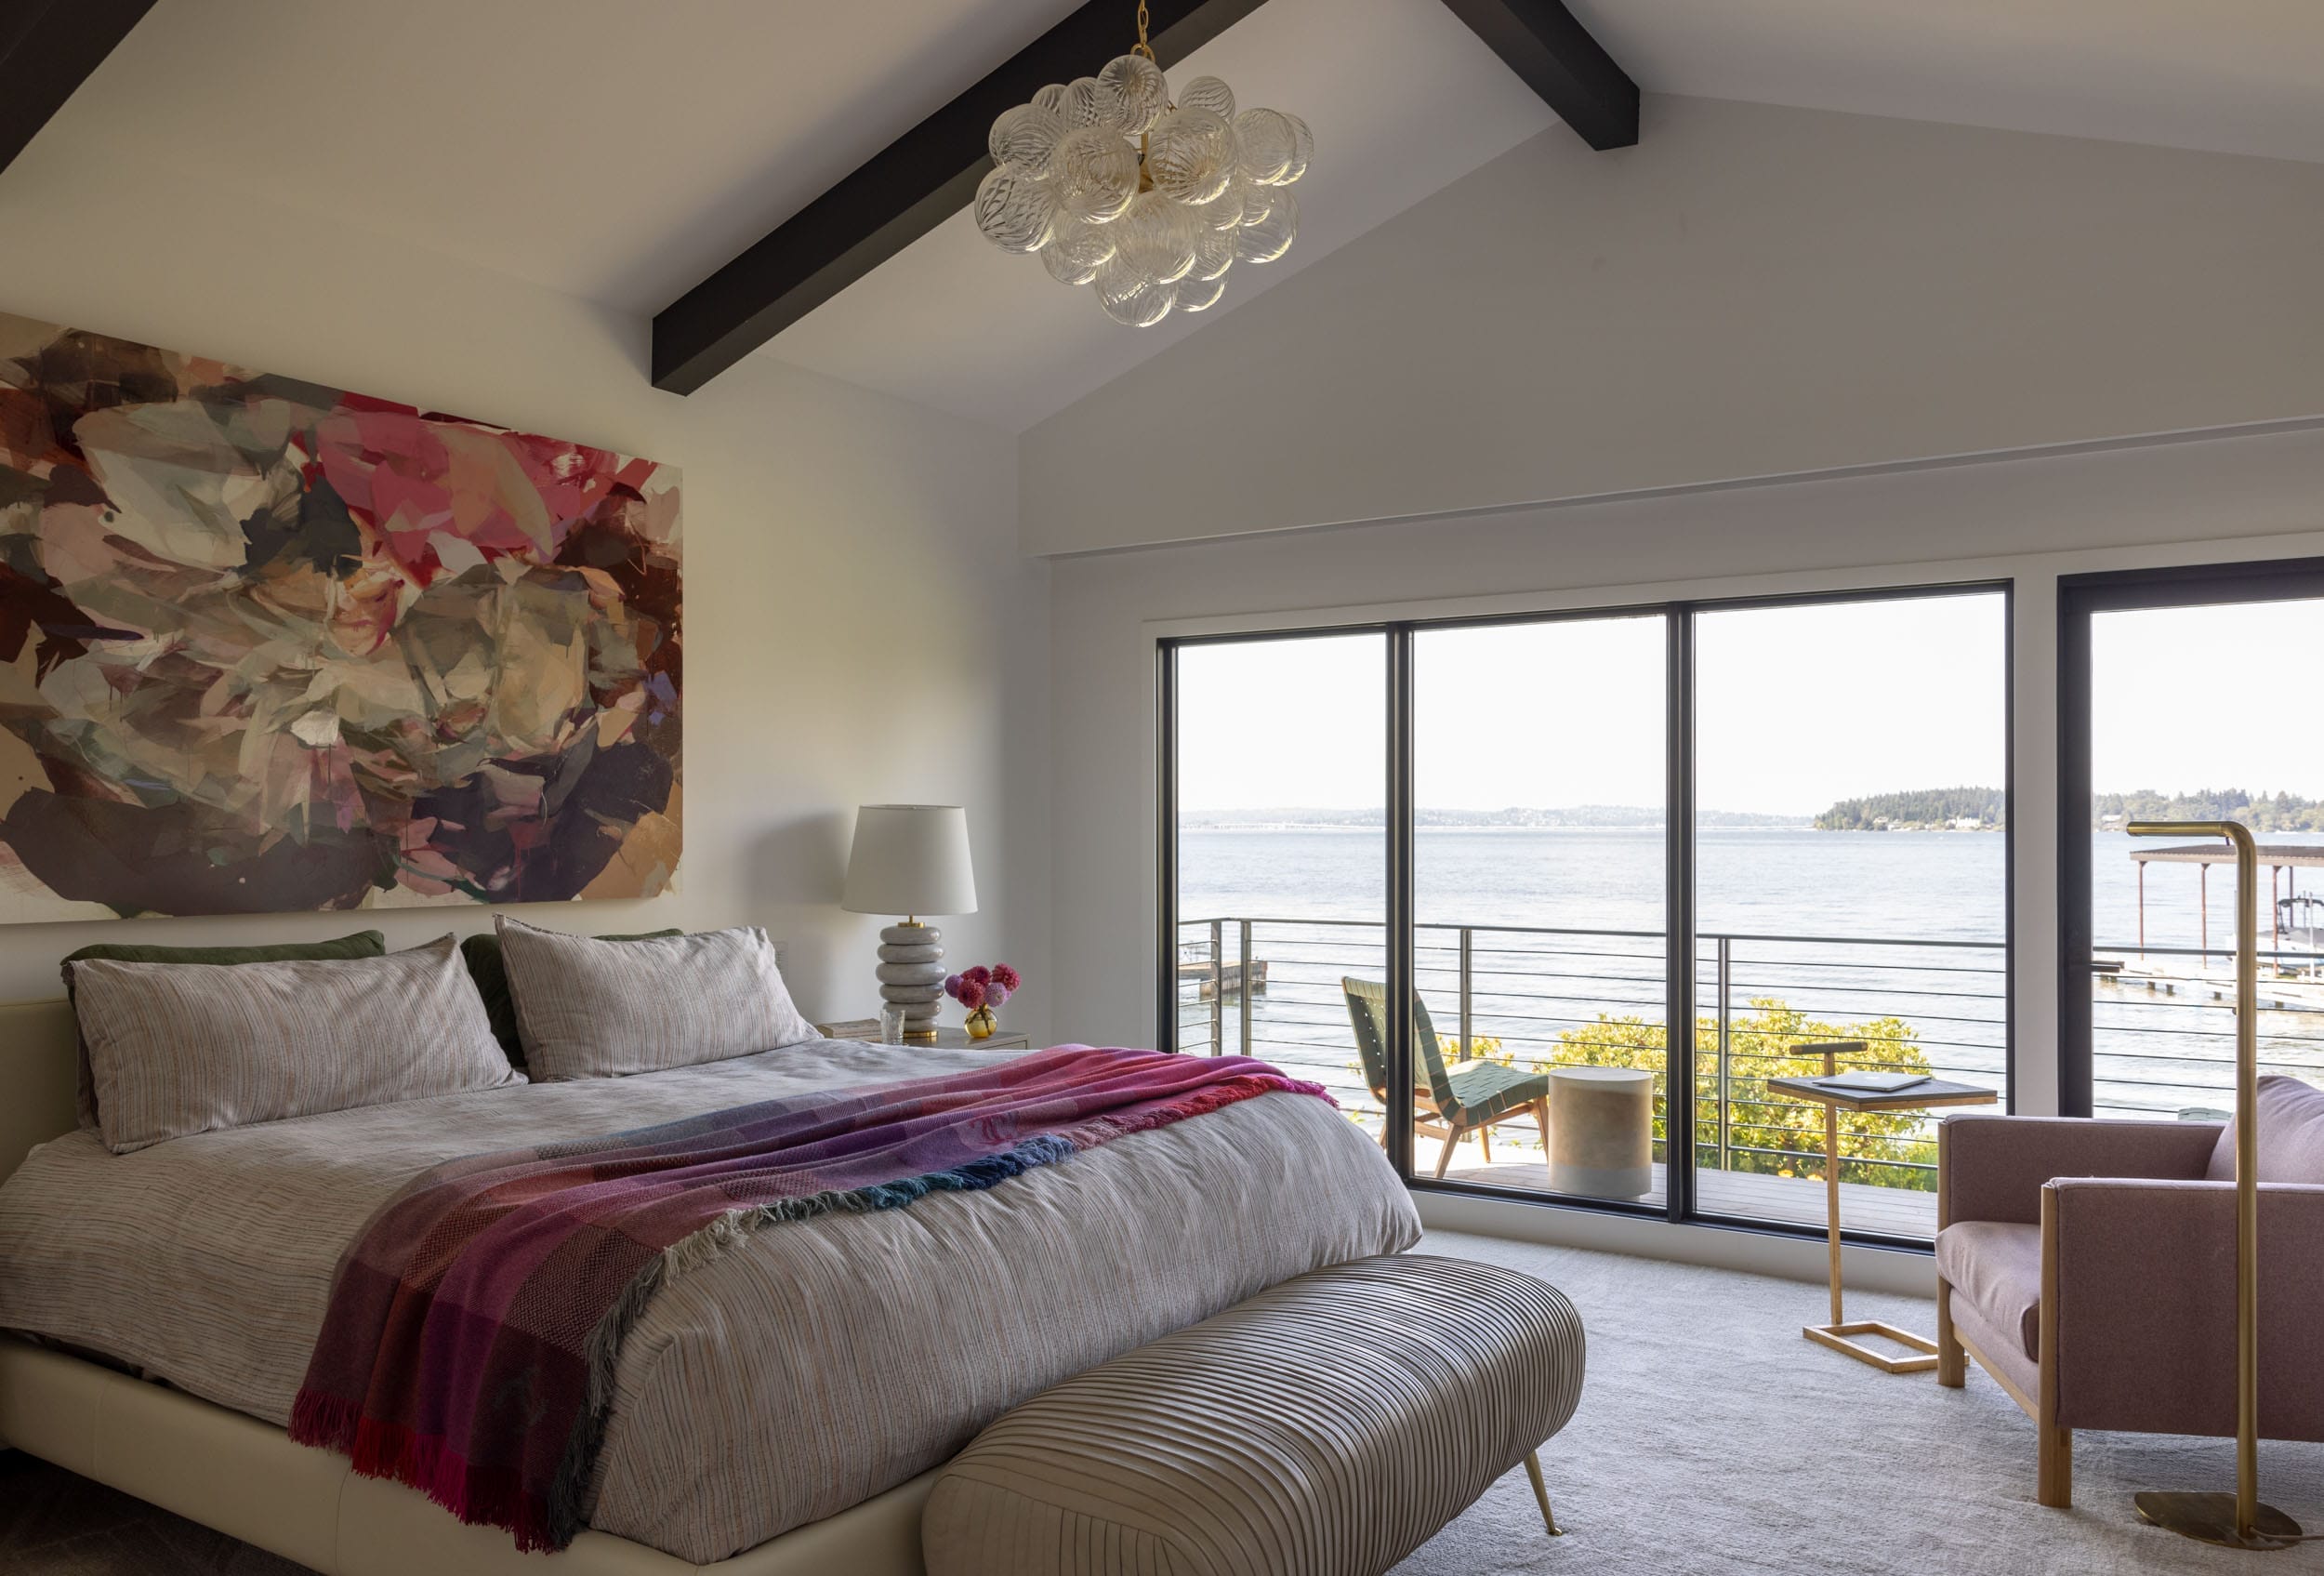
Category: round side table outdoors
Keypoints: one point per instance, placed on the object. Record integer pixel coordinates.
(1602, 1123)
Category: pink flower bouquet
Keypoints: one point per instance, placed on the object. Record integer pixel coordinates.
(981, 990)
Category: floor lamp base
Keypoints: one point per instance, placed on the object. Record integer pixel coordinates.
(2211, 1518)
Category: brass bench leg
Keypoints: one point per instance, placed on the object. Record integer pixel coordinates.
(1542, 1493)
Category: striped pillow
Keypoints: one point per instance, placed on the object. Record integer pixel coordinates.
(600, 1009)
(183, 1048)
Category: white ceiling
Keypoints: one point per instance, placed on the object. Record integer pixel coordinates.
(2231, 76)
(619, 149)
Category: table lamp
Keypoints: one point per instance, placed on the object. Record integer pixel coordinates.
(911, 859)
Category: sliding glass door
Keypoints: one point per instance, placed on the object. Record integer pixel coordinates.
(1852, 875)
(1470, 874)
(1280, 853)
(2185, 700)
(1538, 940)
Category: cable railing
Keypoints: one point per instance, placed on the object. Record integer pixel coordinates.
(1540, 996)
(2163, 1026)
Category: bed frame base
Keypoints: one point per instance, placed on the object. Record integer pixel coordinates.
(246, 1479)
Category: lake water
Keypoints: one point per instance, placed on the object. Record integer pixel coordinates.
(1876, 902)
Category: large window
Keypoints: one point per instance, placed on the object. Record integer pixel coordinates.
(1539, 895)
(1469, 873)
(2183, 700)
(1281, 840)
(1853, 878)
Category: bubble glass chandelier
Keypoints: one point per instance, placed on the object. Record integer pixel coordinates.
(1147, 199)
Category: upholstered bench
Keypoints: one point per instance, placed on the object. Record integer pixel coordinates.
(1327, 1427)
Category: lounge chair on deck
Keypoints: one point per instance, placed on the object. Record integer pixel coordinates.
(1452, 1102)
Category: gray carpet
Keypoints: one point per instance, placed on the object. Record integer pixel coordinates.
(1711, 1439)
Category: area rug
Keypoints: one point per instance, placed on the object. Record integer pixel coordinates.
(1712, 1438)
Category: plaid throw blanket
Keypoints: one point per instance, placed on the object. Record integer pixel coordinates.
(471, 1342)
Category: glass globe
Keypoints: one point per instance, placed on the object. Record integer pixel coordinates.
(1076, 251)
(1270, 237)
(1128, 297)
(1224, 211)
(1157, 237)
(1051, 99)
(1015, 212)
(1026, 136)
(1214, 253)
(1199, 294)
(1303, 148)
(1190, 155)
(1269, 144)
(1257, 200)
(1088, 101)
(1138, 83)
(1207, 93)
(1095, 174)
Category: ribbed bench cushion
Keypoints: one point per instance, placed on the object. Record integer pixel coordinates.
(1327, 1427)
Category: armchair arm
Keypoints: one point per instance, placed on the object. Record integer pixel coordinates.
(2146, 1277)
(1992, 1168)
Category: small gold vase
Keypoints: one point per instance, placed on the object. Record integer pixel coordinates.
(981, 1024)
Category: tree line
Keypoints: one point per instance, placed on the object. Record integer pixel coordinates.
(1917, 809)
(2262, 812)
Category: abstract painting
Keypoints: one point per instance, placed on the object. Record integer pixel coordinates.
(269, 646)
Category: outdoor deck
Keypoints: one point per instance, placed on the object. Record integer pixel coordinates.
(1893, 1212)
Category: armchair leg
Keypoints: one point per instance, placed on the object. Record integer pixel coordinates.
(1952, 1364)
(1443, 1156)
(2054, 1484)
(1485, 1138)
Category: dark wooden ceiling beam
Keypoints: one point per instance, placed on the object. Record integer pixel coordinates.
(1555, 56)
(902, 192)
(47, 48)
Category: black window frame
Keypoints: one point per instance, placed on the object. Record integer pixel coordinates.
(1679, 866)
(2080, 597)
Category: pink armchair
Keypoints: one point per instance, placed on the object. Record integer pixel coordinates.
(2089, 1266)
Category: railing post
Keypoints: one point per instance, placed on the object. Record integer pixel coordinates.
(1243, 1032)
(1727, 974)
(1467, 1001)
(1217, 986)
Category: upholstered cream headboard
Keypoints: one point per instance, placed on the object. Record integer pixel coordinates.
(36, 1103)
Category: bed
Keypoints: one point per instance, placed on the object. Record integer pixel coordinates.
(782, 1411)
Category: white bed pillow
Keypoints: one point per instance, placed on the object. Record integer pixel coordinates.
(588, 1008)
(177, 1049)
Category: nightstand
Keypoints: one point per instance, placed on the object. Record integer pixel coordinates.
(946, 1039)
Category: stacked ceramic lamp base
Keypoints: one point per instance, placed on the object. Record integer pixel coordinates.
(911, 975)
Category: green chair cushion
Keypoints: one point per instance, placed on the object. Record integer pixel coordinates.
(1490, 1089)
(490, 971)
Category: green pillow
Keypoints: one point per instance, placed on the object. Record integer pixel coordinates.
(485, 966)
(363, 944)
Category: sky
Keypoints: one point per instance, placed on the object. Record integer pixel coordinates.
(2193, 697)
(1797, 707)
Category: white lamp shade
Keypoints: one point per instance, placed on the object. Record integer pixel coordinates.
(910, 859)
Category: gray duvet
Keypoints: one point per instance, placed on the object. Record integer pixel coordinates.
(825, 1361)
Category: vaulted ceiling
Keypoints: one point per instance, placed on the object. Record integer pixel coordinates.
(619, 150)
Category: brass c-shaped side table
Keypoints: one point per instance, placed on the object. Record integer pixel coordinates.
(1926, 1095)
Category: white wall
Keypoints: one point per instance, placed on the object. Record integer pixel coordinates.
(1750, 291)
(2030, 519)
(857, 624)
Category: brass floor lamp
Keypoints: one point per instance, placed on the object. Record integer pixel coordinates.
(2237, 1520)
